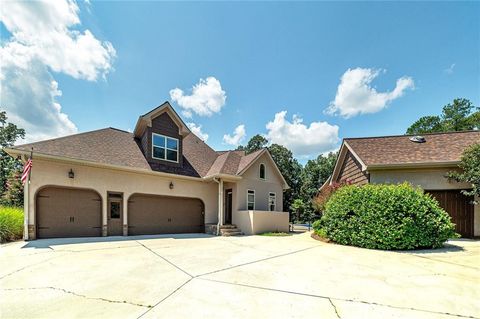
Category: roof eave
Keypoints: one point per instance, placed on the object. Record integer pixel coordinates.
(16, 152)
(413, 165)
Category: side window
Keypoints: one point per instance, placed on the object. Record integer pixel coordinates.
(262, 171)
(164, 148)
(272, 201)
(250, 199)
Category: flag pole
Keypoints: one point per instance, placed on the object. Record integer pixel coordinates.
(26, 202)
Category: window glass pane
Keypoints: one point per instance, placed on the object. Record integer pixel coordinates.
(172, 144)
(251, 198)
(159, 140)
(172, 155)
(158, 152)
(250, 206)
(115, 210)
(262, 171)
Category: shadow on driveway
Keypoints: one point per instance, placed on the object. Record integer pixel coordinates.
(47, 243)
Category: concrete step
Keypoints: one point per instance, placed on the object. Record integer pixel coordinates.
(234, 233)
(228, 226)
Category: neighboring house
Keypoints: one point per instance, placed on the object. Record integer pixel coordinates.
(159, 179)
(422, 161)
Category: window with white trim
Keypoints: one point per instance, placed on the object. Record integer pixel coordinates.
(164, 148)
(262, 171)
(250, 199)
(272, 201)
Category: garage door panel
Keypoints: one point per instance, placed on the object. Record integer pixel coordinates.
(150, 215)
(459, 207)
(64, 212)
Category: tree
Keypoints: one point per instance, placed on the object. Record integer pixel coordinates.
(291, 171)
(426, 124)
(470, 170)
(9, 134)
(298, 209)
(256, 143)
(315, 173)
(457, 116)
(13, 195)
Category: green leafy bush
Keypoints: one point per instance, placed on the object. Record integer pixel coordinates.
(386, 217)
(11, 223)
(318, 229)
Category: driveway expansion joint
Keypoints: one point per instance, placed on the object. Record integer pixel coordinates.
(166, 297)
(165, 259)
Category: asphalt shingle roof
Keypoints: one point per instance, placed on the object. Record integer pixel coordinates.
(397, 150)
(116, 147)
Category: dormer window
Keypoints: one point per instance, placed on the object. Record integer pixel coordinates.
(262, 171)
(164, 148)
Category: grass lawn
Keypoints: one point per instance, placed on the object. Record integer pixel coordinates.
(11, 223)
(275, 234)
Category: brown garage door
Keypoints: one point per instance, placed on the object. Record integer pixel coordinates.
(460, 208)
(148, 215)
(66, 212)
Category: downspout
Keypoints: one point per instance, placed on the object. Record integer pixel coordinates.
(220, 203)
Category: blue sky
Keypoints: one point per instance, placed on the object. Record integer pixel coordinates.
(268, 57)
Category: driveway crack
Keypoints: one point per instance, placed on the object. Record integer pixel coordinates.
(338, 299)
(79, 295)
(28, 266)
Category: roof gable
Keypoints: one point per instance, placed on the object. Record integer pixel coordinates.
(145, 120)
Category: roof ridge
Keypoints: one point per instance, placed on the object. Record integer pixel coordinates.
(409, 135)
(69, 136)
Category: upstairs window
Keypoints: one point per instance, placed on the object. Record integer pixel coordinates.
(262, 171)
(164, 148)
(250, 199)
(272, 201)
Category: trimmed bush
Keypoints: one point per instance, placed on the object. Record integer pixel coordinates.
(386, 217)
(11, 223)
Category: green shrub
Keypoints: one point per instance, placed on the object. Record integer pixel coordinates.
(386, 217)
(11, 223)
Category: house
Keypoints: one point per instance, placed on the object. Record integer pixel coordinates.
(421, 160)
(159, 179)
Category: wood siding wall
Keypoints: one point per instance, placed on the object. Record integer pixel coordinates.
(351, 171)
(163, 125)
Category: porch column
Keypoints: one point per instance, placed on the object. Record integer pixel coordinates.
(125, 214)
(220, 202)
(104, 214)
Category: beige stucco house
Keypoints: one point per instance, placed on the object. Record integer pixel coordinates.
(421, 160)
(159, 179)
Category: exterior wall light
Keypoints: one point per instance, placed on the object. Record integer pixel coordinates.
(71, 174)
(171, 185)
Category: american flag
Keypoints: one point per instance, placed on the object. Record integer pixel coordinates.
(26, 170)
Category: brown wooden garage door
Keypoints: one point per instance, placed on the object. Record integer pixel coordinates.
(66, 212)
(460, 208)
(149, 214)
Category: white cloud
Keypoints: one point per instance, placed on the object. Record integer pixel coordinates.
(450, 69)
(43, 40)
(238, 136)
(206, 99)
(356, 96)
(302, 140)
(197, 130)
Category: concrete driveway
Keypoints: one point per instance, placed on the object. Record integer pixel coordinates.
(199, 276)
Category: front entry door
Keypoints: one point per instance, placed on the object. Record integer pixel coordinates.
(228, 206)
(115, 217)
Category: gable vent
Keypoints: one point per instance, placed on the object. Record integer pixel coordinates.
(418, 139)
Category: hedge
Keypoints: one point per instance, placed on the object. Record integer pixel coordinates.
(11, 223)
(385, 217)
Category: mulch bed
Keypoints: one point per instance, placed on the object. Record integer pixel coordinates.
(325, 240)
